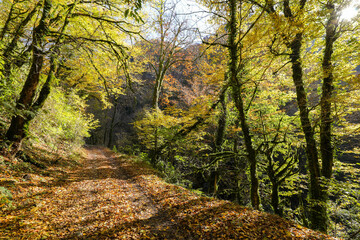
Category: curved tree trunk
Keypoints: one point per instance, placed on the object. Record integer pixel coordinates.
(18, 128)
(9, 50)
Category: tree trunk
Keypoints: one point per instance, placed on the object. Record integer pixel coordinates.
(155, 107)
(234, 69)
(220, 133)
(274, 179)
(275, 198)
(18, 127)
(318, 215)
(45, 90)
(219, 139)
(16, 131)
(111, 130)
(326, 147)
(8, 54)
(7, 22)
(156, 95)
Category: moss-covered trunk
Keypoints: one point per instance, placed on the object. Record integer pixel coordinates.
(318, 215)
(326, 147)
(235, 69)
(18, 127)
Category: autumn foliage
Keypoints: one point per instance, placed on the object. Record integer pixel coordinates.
(112, 196)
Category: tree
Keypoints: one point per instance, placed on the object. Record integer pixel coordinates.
(165, 51)
(173, 36)
(293, 18)
(60, 26)
(242, 39)
(19, 18)
(16, 131)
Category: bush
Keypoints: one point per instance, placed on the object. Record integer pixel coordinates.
(62, 123)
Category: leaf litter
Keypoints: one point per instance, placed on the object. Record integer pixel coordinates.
(110, 196)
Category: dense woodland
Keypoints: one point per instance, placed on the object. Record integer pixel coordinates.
(253, 101)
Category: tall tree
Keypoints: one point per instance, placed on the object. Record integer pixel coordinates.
(17, 129)
(172, 37)
(236, 67)
(291, 24)
(293, 41)
(168, 48)
(241, 20)
(56, 29)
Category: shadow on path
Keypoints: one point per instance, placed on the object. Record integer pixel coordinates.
(111, 197)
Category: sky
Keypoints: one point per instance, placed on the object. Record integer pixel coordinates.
(196, 14)
(198, 18)
(351, 11)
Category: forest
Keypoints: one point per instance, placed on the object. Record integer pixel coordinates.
(255, 102)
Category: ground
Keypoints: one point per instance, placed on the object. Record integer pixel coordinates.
(111, 196)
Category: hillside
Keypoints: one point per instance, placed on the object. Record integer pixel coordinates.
(111, 196)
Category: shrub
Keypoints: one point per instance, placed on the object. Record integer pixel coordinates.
(62, 123)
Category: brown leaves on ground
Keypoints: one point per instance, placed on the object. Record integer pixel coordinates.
(111, 197)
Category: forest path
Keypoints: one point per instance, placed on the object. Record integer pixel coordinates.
(103, 199)
(110, 196)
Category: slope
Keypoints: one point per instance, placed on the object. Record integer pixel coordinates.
(111, 196)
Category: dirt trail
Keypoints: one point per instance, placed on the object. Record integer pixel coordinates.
(99, 200)
(111, 197)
